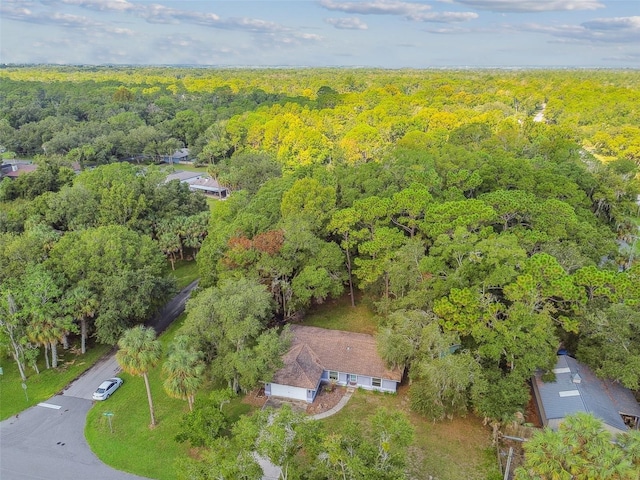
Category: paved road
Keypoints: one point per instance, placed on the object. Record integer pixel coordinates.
(173, 309)
(46, 442)
(107, 367)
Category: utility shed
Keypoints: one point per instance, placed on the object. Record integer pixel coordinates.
(577, 389)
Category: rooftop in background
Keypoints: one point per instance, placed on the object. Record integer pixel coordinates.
(577, 389)
(183, 176)
(15, 168)
(180, 155)
(200, 182)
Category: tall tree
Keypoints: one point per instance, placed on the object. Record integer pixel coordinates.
(580, 448)
(83, 305)
(184, 370)
(140, 351)
(227, 322)
(343, 223)
(13, 329)
(285, 434)
(48, 320)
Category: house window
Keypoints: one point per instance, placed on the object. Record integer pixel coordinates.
(333, 376)
(376, 382)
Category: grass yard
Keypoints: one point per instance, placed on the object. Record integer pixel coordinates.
(449, 450)
(185, 272)
(211, 201)
(340, 315)
(133, 446)
(48, 383)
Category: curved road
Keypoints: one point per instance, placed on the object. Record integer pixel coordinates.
(46, 442)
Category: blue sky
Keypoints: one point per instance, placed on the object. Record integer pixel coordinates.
(372, 33)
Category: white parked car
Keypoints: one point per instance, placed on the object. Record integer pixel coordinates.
(106, 388)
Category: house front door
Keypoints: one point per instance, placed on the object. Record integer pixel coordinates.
(352, 379)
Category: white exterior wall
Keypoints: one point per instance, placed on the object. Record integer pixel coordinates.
(287, 391)
(388, 386)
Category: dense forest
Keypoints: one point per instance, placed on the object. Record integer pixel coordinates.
(489, 217)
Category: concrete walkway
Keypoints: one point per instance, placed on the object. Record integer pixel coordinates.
(343, 401)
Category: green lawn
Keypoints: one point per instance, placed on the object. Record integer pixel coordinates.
(449, 450)
(211, 201)
(340, 315)
(133, 446)
(185, 272)
(42, 386)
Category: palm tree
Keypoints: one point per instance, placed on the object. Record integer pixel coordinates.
(196, 231)
(82, 305)
(170, 244)
(184, 369)
(41, 331)
(139, 352)
(580, 448)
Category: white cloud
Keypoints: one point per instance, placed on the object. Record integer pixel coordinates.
(350, 23)
(417, 12)
(451, 30)
(444, 17)
(252, 25)
(155, 13)
(377, 7)
(120, 31)
(100, 5)
(289, 39)
(530, 5)
(620, 30)
(12, 12)
(614, 23)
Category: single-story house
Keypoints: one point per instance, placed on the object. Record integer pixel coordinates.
(179, 156)
(199, 182)
(183, 176)
(577, 389)
(15, 168)
(318, 355)
(209, 186)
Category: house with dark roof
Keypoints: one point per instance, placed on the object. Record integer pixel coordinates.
(577, 389)
(318, 355)
(179, 156)
(15, 168)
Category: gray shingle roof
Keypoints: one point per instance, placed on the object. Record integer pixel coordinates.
(603, 399)
(183, 176)
(207, 184)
